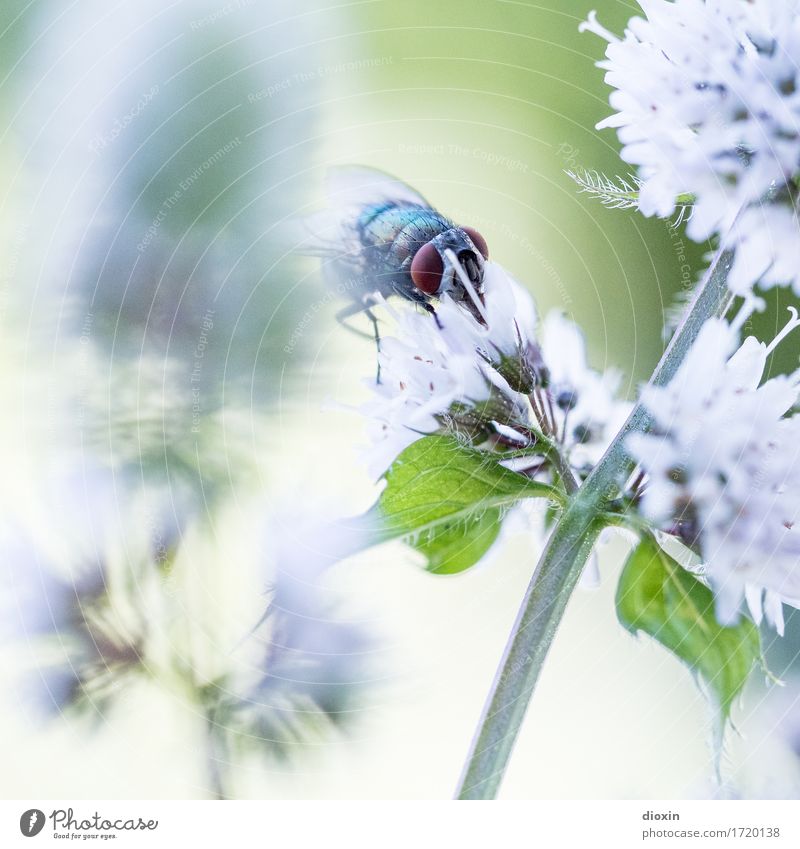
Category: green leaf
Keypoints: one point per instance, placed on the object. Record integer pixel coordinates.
(448, 501)
(659, 597)
(455, 546)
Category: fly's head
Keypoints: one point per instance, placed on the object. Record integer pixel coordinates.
(434, 272)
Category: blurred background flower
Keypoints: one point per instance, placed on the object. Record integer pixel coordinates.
(168, 368)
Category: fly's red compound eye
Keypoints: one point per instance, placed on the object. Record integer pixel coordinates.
(426, 269)
(478, 241)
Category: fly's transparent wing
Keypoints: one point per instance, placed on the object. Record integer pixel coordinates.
(332, 233)
(349, 186)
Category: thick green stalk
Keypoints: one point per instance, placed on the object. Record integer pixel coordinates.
(216, 753)
(564, 558)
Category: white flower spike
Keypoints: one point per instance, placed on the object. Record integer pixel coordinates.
(707, 105)
(723, 466)
(491, 379)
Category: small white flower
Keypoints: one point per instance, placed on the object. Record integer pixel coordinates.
(491, 380)
(767, 238)
(433, 364)
(584, 402)
(510, 312)
(421, 377)
(723, 469)
(707, 103)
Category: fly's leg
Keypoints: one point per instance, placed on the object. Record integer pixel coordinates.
(353, 309)
(376, 330)
(429, 309)
(348, 312)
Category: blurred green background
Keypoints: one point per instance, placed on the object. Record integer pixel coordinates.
(149, 157)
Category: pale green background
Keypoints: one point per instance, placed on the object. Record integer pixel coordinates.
(481, 106)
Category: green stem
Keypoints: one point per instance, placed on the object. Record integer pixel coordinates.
(564, 558)
(551, 451)
(564, 471)
(216, 757)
